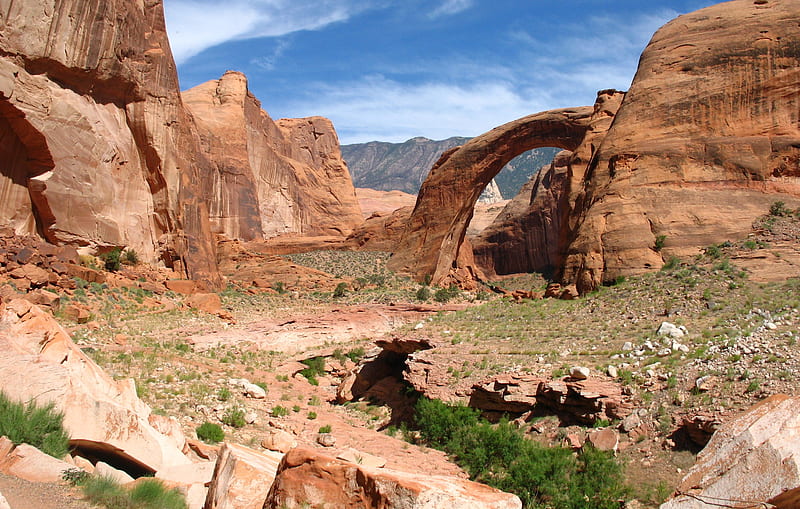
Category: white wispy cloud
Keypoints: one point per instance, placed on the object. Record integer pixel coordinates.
(196, 25)
(269, 62)
(450, 7)
(377, 108)
(468, 97)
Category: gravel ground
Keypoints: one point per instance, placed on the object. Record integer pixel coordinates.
(22, 494)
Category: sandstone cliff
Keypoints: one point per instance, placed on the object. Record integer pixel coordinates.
(269, 178)
(98, 149)
(706, 139)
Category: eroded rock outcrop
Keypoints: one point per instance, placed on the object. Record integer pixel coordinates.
(754, 458)
(104, 418)
(268, 177)
(306, 475)
(98, 149)
(706, 139)
(585, 401)
(432, 242)
(533, 231)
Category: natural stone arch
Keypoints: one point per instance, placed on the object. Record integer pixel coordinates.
(435, 232)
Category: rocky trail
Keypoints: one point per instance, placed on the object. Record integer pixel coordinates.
(22, 494)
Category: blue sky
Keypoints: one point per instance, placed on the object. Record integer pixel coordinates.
(390, 70)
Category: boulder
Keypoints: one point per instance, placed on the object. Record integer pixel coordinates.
(4, 502)
(583, 400)
(604, 439)
(102, 468)
(306, 475)
(242, 478)
(754, 457)
(39, 361)
(361, 458)
(43, 298)
(278, 440)
(29, 463)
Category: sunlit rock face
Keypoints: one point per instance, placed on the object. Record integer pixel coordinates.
(269, 178)
(98, 149)
(706, 139)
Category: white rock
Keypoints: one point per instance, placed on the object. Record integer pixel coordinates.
(254, 391)
(3, 502)
(579, 372)
(612, 371)
(770, 326)
(671, 330)
(419, 326)
(250, 417)
(664, 352)
(627, 346)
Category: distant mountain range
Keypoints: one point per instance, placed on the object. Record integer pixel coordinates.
(404, 166)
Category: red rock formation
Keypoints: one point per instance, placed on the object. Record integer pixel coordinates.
(269, 178)
(305, 475)
(432, 242)
(104, 417)
(97, 147)
(706, 139)
(753, 457)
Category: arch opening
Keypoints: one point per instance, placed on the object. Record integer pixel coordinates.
(432, 242)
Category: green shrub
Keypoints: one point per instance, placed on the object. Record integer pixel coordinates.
(312, 415)
(325, 429)
(355, 354)
(778, 208)
(151, 493)
(111, 259)
(210, 433)
(279, 287)
(660, 240)
(103, 490)
(446, 294)
(316, 367)
(234, 417)
(145, 494)
(130, 257)
(501, 456)
(279, 411)
(39, 426)
(341, 290)
(423, 294)
(223, 394)
(438, 421)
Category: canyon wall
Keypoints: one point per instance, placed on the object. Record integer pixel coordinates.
(98, 148)
(706, 139)
(101, 151)
(269, 178)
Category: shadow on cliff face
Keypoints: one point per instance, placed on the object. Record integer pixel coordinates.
(24, 155)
